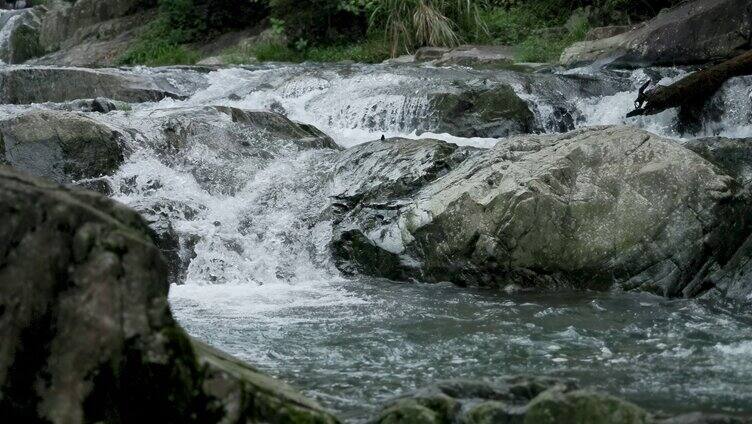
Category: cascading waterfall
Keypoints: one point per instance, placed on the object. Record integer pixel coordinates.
(259, 281)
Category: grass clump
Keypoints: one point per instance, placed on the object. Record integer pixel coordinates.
(409, 24)
(156, 47)
(545, 47)
(372, 50)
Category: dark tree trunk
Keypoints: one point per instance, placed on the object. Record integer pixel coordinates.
(693, 90)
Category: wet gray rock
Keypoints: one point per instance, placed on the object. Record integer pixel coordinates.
(479, 57)
(488, 112)
(60, 146)
(20, 40)
(87, 332)
(693, 32)
(176, 246)
(594, 208)
(472, 56)
(600, 33)
(374, 180)
(732, 277)
(23, 85)
(427, 54)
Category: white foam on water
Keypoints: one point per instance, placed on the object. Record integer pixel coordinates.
(352, 110)
(736, 349)
(262, 283)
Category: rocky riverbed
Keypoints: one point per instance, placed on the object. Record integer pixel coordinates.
(452, 237)
(575, 253)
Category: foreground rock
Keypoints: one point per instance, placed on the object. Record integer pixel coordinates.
(60, 146)
(20, 34)
(86, 327)
(592, 208)
(526, 401)
(693, 32)
(23, 85)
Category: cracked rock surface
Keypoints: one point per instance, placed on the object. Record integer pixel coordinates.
(593, 208)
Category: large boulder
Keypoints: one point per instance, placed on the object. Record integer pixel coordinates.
(693, 32)
(61, 146)
(23, 85)
(87, 332)
(593, 208)
(20, 35)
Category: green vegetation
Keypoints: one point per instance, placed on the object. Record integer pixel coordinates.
(373, 30)
(159, 46)
(409, 24)
(372, 50)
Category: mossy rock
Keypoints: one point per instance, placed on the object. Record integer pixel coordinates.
(494, 412)
(409, 411)
(24, 44)
(247, 395)
(583, 407)
(494, 112)
(61, 146)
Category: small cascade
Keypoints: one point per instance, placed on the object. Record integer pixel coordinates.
(248, 217)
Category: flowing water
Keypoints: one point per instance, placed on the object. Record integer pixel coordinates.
(261, 284)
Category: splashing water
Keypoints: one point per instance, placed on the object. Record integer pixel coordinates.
(259, 280)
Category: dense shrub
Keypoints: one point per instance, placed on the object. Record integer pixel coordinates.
(332, 29)
(315, 22)
(222, 15)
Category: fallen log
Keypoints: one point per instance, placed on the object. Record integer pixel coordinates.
(693, 90)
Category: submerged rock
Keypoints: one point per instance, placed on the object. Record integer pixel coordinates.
(87, 332)
(23, 85)
(692, 32)
(525, 400)
(61, 146)
(513, 400)
(594, 208)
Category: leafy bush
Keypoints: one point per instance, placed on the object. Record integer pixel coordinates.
(543, 47)
(156, 47)
(315, 22)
